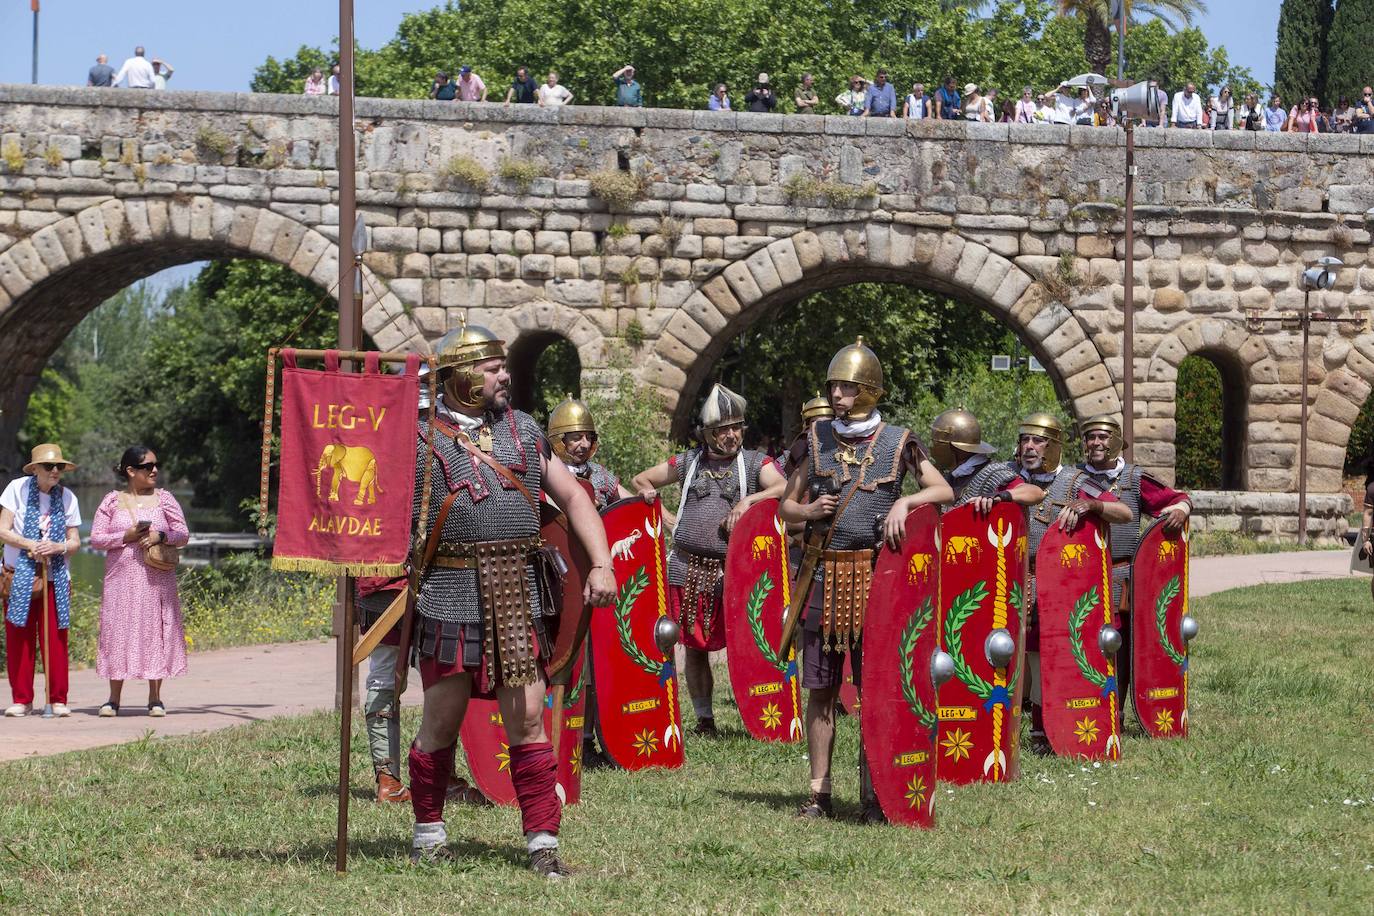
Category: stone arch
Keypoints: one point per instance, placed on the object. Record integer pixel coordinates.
(787, 269)
(51, 279)
(1250, 375)
(1337, 403)
(530, 327)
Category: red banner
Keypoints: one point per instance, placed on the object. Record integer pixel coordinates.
(347, 472)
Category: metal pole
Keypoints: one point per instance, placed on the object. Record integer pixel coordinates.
(35, 41)
(1302, 426)
(349, 339)
(1121, 44)
(1128, 332)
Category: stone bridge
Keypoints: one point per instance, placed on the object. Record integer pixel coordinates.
(656, 236)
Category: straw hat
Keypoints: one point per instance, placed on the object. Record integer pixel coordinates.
(47, 453)
(970, 88)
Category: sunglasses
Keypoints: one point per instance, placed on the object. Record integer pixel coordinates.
(146, 466)
(52, 466)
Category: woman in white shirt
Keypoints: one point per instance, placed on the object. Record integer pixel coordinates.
(552, 95)
(39, 533)
(1223, 110)
(1025, 107)
(974, 107)
(917, 104)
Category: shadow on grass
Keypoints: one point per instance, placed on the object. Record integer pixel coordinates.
(466, 852)
(331, 790)
(782, 801)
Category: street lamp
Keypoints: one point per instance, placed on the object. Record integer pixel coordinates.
(1320, 276)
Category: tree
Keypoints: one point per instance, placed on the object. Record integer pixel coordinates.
(1199, 447)
(288, 76)
(1350, 53)
(1097, 23)
(1300, 60)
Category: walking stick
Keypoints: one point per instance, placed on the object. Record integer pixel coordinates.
(45, 649)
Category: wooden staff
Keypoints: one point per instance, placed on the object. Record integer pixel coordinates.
(45, 649)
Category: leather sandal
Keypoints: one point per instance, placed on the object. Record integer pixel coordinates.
(817, 806)
(109, 710)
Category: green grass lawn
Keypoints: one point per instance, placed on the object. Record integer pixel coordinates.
(1268, 807)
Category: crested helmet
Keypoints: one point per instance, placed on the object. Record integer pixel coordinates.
(818, 408)
(722, 407)
(459, 351)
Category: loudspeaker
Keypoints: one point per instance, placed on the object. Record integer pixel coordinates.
(1139, 102)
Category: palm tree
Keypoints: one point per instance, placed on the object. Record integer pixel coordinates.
(1096, 16)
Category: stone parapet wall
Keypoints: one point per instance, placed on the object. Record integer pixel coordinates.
(1271, 517)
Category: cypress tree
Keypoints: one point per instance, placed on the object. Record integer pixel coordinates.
(1350, 52)
(1300, 61)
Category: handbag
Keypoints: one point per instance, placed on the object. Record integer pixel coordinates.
(7, 583)
(162, 556)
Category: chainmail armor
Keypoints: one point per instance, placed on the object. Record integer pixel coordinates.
(882, 469)
(487, 509)
(713, 494)
(605, 485)
(989, 480)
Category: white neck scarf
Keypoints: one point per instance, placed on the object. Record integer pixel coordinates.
(1111, 473)
(860, 429)
(465, 422)
(970, 466)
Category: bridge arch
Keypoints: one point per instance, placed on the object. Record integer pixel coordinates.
(790, 268)
(54, 277)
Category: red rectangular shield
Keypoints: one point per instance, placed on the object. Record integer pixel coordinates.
(347, 473)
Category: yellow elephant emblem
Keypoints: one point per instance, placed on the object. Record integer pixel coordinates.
(763, 546)
(1167, 550)
(1072, 554)
(918, 567)
(1021, 548)
(960, 546)
(354, 462)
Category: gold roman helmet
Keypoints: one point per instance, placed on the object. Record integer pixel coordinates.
(1108, 424)
(459, 351)
(956, 429)
(818, 408)
(858, 364)
(722, 408)
(571, 416)
(1046, 426)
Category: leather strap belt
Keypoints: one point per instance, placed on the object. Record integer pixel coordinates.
(468, 549)
(863, 553)
(442, 562)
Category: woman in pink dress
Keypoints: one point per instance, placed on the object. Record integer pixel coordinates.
(141, 635)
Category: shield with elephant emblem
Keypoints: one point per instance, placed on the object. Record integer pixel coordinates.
(638, 716)
(1160, 628)
(982, 626)
(900, 708)
(1073, 583)
(757, 594)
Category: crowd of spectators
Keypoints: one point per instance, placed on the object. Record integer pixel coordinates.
(136, 73)
(1068, 103)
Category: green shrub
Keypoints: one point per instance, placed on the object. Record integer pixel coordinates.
(467, 171)
(521, 172)
(1199, 446)
(619, 189)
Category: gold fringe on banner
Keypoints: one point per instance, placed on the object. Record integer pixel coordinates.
(329, 568)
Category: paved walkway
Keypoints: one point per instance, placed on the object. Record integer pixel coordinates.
(232, 686)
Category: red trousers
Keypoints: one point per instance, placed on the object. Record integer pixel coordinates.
(22, 645)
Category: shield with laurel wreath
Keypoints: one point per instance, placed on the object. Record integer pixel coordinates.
(567, 630)
(638, 716)
(1159, 653)
(487, 748)
(1073, 584)
(757, 594)
(982, 597)
(899, 718)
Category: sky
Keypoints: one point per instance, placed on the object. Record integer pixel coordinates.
(216, 46)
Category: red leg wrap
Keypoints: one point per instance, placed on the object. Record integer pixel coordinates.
(534, 772)
(429, 782)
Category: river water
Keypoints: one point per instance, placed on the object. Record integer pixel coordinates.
(88, 566)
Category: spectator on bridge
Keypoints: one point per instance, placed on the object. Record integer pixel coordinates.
(136, 71)
(1044, 109)
(334, 80)
(918, 106)
(806, 97)
(1222, 110)
(628, 93)
(316, 84)
(39, 534)
(141, 635)
(1187, 108)
(1024, 112)
(720, 99)
(948, 102)
(1102, 115)
(1344, 116)
(1084, 107)
(1325, 123)
(443, 88)
(102, 74)
(523, 90)
(1364, 112)
(761, 99)
(1275, 118)
(552, 95)
(470, 86)
(852, 99)
(1302, 118)
(880, 99)
(1251, 115)
(162, 72)
(975, 106)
